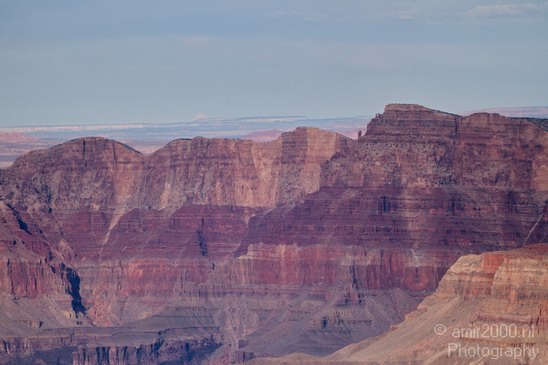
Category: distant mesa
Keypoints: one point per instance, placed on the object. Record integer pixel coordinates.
(399, 107)
(263, 136)
(16, 137)
(522, 112)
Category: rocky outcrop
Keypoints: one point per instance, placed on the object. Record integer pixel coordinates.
(160, 352)
(88, 185)
(143, 232)
(419, 189)
(305, 243)
(103, 174)
(490, 308)
(104, 348)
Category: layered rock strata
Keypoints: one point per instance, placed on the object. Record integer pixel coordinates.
(490, 309)
(305, 243)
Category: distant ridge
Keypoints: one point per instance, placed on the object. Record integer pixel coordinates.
(520, 111)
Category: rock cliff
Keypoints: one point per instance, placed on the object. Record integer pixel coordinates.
(232, 249)
(489, 309)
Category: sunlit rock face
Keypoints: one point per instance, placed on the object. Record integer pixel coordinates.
(229, 249)
(490, 307)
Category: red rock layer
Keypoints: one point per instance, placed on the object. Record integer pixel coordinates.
(100, 174)
(272, 238)
(423, 187)
(497, 302)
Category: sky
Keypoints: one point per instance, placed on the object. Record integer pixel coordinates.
(116, 61)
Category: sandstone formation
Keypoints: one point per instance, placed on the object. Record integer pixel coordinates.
(490, 309)
(233, 249)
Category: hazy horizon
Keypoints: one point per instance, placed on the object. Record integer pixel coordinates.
(539, 111)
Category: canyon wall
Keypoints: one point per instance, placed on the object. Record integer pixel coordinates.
(489, 308)
(241, 249)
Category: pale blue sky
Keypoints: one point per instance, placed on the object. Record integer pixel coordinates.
(78, 62)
